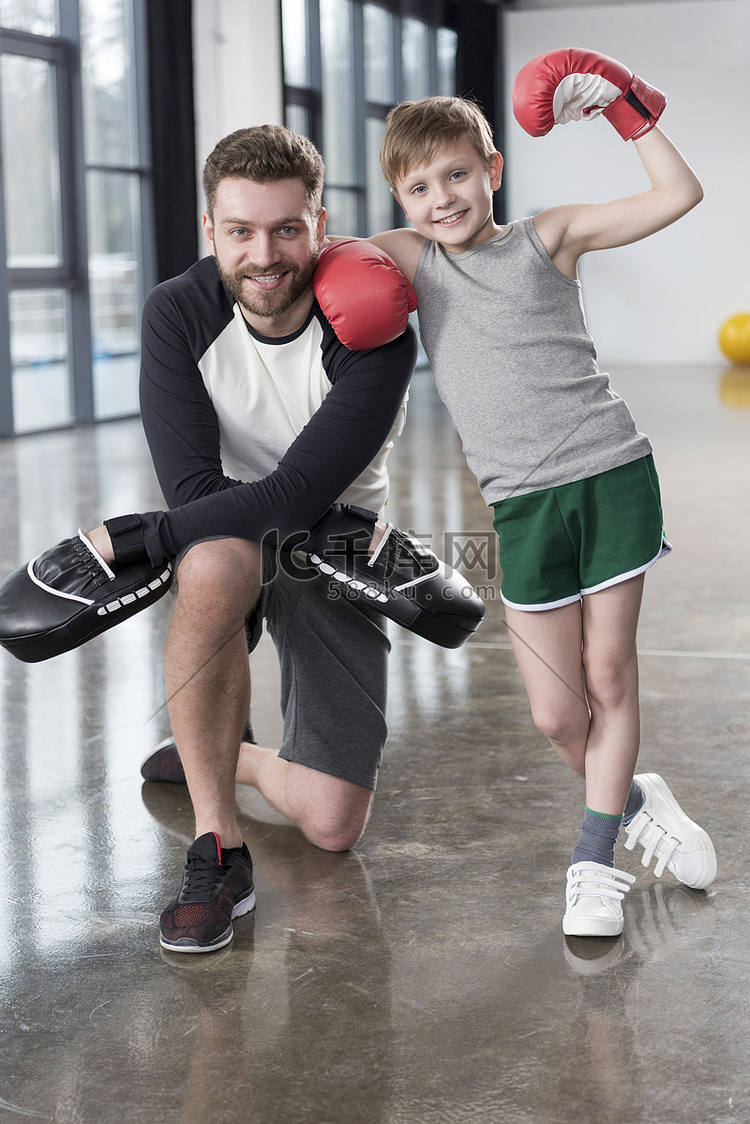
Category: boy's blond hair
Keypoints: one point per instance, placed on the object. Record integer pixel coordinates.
(417, 130)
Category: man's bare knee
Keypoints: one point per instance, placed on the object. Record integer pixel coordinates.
(331, 813)
(222, 575)
(331, 838)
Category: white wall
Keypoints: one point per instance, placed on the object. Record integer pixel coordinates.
(664, 299)
(238, 72)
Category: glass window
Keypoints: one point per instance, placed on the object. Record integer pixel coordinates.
(50, 381)
(298, 119)
(113, 208)
(108, 82)
(415, 52)
(31, 172)
(379, 198)
(338, 91)
(39, 354)
(40, 17)
(342, 211)
(447, 43)
(379, 72)
(342, 75)
(294, 35)
(112, 202)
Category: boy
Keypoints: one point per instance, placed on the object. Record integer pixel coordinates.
(555, 450)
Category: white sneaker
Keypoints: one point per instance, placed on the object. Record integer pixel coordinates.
(593, 897)
(662, 829)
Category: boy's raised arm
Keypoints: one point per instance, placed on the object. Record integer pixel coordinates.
(570, 231)
(570, 85)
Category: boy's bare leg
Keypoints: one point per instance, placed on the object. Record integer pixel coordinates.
(610, 659)
(580, 669)
(547, 646)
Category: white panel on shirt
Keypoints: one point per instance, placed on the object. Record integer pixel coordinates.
(264, 394)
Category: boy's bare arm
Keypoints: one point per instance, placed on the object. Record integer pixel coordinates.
(403, 246)
(570, 231)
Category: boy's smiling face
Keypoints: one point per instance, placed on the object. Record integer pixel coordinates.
(450, 199)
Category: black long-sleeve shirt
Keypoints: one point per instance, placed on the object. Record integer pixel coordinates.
(208, 396)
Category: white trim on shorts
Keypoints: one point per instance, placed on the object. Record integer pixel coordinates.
(664, 550)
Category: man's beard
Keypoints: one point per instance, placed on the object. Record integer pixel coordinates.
(274, 301)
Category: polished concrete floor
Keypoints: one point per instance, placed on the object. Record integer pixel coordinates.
(423, 977)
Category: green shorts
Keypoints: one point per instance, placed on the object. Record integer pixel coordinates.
(562, 543)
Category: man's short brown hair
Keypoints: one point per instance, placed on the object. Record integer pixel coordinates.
(417, 130)
(265, 154)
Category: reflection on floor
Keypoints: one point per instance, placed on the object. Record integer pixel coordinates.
(424, 977)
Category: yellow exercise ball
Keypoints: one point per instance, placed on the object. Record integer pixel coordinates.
(734, 338)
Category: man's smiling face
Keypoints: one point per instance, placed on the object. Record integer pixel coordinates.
(266, 241)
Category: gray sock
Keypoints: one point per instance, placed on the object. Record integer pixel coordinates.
(634, 804)
(597, 840)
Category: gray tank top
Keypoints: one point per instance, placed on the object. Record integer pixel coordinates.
(513, 360)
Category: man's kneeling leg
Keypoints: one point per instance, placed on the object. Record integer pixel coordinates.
(334, 668)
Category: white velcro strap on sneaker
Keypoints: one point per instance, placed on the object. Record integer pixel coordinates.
(595, 880)
(643, 829)
(582, 95)
(666, 853)
(633, 829)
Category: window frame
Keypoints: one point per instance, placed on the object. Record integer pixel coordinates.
(64, 50)
(310, 97)
(57, 52)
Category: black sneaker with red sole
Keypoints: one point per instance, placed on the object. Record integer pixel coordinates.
(212, 894)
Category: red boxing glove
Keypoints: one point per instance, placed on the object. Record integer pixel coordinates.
(363, 294)
(569, 84)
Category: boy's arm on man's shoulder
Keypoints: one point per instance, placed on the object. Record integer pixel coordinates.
(570, 231)
(403, 245)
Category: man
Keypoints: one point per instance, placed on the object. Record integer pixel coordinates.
(237, 358)
(259, 417)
